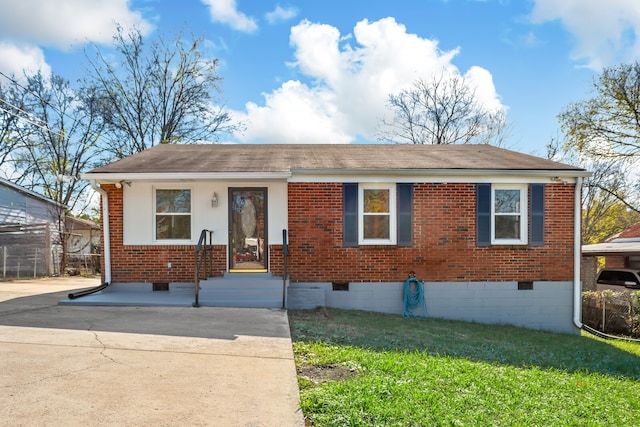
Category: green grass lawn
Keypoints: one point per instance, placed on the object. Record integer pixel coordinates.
(368, 369)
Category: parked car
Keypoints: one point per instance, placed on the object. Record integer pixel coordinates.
(618, 279)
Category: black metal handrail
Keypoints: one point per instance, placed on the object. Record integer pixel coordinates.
(203, 253)
(285, 253)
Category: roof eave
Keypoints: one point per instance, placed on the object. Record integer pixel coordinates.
(31, 193)
(573, 173)
(114, 177)
(611, 249)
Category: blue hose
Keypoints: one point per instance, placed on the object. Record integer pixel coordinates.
(414, 298)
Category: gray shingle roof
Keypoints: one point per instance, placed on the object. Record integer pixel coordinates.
(310, 157)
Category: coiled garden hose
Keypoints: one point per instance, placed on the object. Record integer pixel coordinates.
(414, 298)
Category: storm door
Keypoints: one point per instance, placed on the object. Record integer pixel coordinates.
(248, 230)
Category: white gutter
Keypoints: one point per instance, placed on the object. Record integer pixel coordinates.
(446, 172)
(113, 177)
(577, 255)
(106, 231)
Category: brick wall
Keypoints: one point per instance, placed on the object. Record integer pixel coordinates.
(275, 260)
(444, 246)
(616, 262)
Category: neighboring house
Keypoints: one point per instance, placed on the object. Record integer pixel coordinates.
(29, 232)
(83, 242)
(494, 234)
(84, 236)
(619, 251)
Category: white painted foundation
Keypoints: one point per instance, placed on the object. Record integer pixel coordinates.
(548, 306)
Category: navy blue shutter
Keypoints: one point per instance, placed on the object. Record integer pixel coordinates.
(483, 215)
(405, 214)
(537, 214)
(350, 214)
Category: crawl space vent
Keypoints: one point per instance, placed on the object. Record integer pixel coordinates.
(159, 287)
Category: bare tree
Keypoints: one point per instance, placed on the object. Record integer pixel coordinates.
(11, 111)
(606, 209)
(443, 110)
(58, 143)
(605, 130)
(160, 93)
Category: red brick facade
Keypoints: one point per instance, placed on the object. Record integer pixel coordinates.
(616, 262)
(444, 246)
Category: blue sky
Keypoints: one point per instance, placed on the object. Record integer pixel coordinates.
(305, 71)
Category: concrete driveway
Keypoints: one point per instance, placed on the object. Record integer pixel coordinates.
(140, 366)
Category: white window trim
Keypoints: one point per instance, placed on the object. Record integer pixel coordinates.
(524, 217)
(153, 222)
(392, 214)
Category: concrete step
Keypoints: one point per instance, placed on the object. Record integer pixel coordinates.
(242, 290)
(242, 281)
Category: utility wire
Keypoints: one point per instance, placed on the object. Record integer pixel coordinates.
(22, 111)
(38, 125)
(15, 82)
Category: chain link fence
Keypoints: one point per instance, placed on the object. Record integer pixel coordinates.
(612, 312)
(27, 251)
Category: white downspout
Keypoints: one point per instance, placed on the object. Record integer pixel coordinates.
(577, 255)
(106, 231)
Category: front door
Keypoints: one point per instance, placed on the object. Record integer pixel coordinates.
(248, 230)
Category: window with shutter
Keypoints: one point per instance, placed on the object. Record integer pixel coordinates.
(502, 217)
(377, 214)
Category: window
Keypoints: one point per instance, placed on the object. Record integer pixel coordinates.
(502, 217)
(173, 214)
(377, 214)
(377, 203)
(508, 211)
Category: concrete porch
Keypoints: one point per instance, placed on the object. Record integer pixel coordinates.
(245, 290)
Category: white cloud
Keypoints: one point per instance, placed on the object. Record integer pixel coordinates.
(27, 25)
(226, 12)
(481, 81)
(522, 40)
(296, 114)
(349, 80)
(280, 14)
(605, 32)
(65, 24)
(14, 59)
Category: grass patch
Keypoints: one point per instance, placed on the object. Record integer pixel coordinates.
(369, 369)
